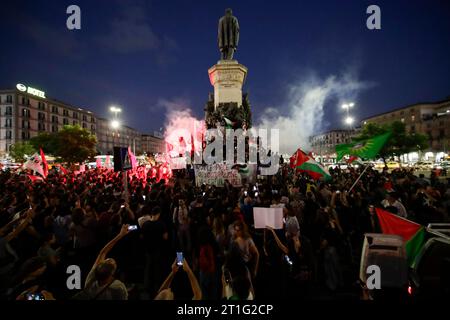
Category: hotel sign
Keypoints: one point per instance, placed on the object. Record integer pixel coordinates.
(30, 90)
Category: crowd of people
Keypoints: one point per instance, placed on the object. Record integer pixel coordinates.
(124, 238)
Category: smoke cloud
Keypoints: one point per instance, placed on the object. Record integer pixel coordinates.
(305, 105)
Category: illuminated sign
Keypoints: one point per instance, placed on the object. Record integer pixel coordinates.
(30, 90)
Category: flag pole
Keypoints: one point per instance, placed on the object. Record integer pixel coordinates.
(362, 173)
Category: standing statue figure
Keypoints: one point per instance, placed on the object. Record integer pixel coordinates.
(228, 35)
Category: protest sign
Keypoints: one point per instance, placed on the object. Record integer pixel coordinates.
(272, 217)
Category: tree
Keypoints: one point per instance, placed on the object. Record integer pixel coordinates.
(75, 144)
(72, 144)
(47, 141)
(21, 149)
(400, 141)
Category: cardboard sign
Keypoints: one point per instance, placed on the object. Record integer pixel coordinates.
(178, 163)
(272, 217)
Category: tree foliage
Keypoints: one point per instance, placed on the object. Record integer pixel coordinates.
(400, 141)
(72, 144)
(21, 149)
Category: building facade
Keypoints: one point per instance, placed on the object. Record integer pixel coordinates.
(431, 119)
(26, 112)
(324, 144)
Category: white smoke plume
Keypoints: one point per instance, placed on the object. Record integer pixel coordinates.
(305, 105)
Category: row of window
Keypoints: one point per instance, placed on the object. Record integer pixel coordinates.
(41, 126)
(55, 109)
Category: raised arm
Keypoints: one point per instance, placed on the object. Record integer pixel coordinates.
(255, 253)
(25, 222)
(107, 248)
(278, 241)
(193, 280)
(166, 284)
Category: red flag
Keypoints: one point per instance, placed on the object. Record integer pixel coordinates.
(393, 224)
(63, 170)
(35, 178)
(44, 162)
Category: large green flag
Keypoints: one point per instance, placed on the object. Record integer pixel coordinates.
(367, 148)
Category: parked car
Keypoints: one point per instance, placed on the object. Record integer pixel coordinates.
(393, 165)
(424, 165)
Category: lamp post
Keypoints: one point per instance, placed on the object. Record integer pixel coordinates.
(348, 119)
(115, 124)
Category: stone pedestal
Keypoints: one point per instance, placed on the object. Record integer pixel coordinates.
(227, 77)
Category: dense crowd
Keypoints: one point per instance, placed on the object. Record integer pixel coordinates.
(84, 220)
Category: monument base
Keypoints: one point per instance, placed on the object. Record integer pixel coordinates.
(227, 77)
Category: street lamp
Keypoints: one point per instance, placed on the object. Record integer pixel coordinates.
(115, 124)
(349, 121)
(115, 110)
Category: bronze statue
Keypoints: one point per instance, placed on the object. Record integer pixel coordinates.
(228, 35)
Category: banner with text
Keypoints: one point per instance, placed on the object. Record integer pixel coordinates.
(216, 174)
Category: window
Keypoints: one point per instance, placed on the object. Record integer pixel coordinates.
(441, 133)
(402, 119)
(65, 113)
(41, 126)
(65, 121)
(41, 106)
(41, 116)
(54, 119)
(92, 128)
(8, 123)
(54, 109)
(8, 134)
(413, 129)
(92, 120)
(74, 122)
(84, 117)
(54, 128)
(25, 124)
(84, 125)
(8, 111)
(9, 98)
(75, 115)
(413, 118)
(25, 113)
(25, 135)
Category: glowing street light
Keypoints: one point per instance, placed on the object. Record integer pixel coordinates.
(115, 124)
(349, 121)
(115, 110)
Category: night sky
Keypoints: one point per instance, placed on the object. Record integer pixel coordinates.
(148, 56)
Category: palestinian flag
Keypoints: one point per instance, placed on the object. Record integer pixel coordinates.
(367, 148)
(306, 163)
(411, 232)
